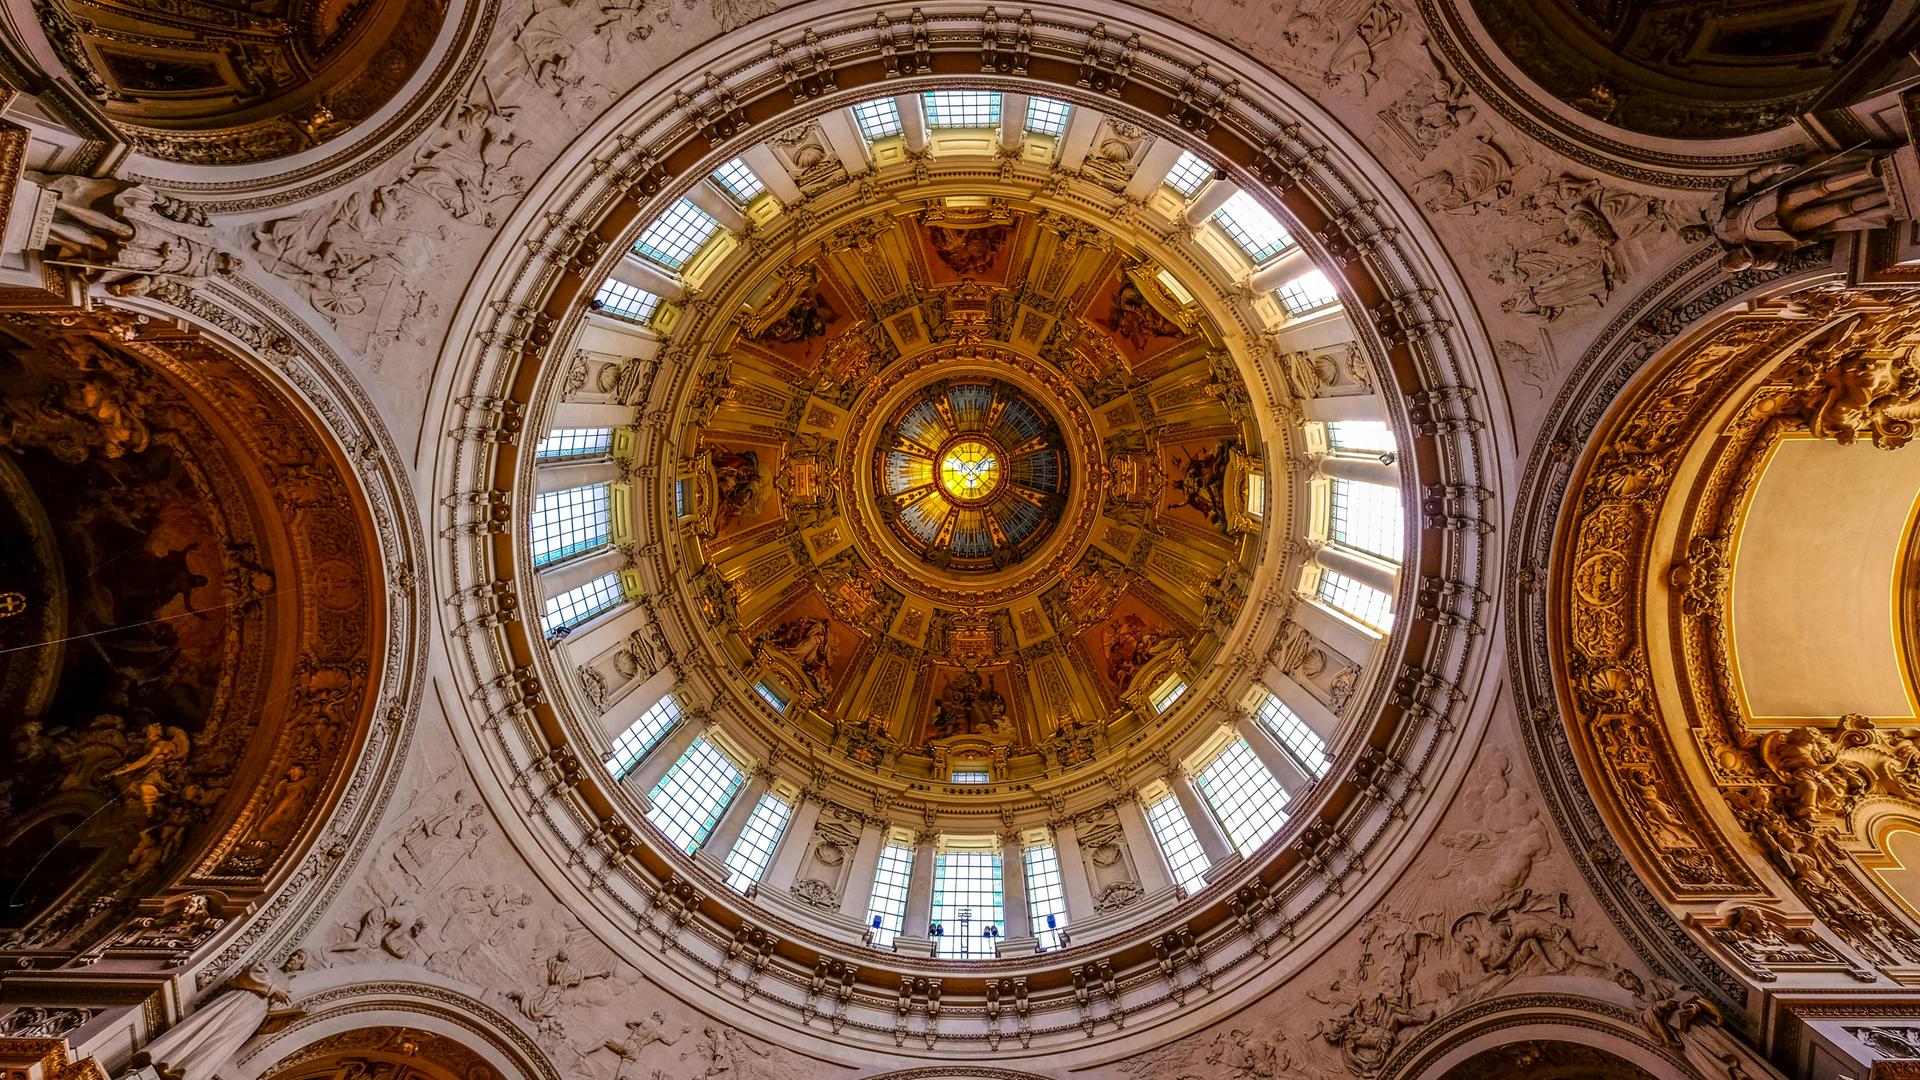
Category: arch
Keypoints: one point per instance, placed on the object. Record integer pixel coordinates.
(345, 1011)
(959, 1072)
(1635, 728)
(232, 339)
(223, 622)
(1478, 1036)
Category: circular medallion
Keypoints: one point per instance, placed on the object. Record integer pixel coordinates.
(971, 473)
(970, 470)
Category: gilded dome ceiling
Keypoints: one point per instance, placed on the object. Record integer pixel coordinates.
(970, 484)
(1680, 69)
(236, 83)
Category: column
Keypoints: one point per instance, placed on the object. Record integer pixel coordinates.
(1155, 164)
(1365, 571)
(1367, 470)
(577, 414)
(1013, 887)
(1013, 120)
(1082, 126)
(1146, 851)
(1212, 841)
(1291, 264)
(760, 158)
(576, 572)
(792, 849)
(1278, 760)
(913, 123)
(1209, 199)
(709, 198)
(1073, 870)
(733, 820)
(920, 885)
(866, 857)
(663, 755)
(845, 139)
(643, 275)
(557, 475)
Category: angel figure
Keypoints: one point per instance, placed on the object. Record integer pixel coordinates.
(166, 748)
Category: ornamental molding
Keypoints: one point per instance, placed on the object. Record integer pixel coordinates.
(1713, 883)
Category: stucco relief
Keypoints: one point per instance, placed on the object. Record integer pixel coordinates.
(441, 892)
(1560, 238)
(1490, 906)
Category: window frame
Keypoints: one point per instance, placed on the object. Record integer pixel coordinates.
(1045, 897)
(573, 521)
(574, 445)
(731, 186)
(970, 867)
(961, 110)
(1062, 119)
(632, 745)
(1258, 251)
(752, 854)
(1189, 160)
(627, 302)
(688, 823)
(607, 590)
(1180, 849)
(892, 881)
(675, 237)
(1248, 802)
(890, 126)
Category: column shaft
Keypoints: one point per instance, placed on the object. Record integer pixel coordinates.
(866, 857)
(733, 820)
(920, 887)
(1073, 871)
(663, 755)
(1205, 829)
(792, 849)
(1146, 851)
(1013, 889)
(1209, 199)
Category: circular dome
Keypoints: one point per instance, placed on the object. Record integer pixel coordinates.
(894, 766)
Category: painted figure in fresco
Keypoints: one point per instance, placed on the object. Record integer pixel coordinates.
(1202, 482)
(740, 487)
(808, 318)
(1134, 321)
(806, 641)
(1130, 644)
(967, 251)
(969, 705)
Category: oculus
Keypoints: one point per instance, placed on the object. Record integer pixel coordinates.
(974, 474)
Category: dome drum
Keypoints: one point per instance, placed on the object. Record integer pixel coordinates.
(877, 688)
